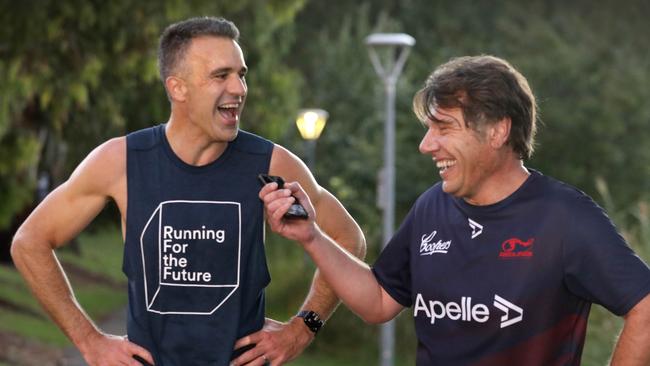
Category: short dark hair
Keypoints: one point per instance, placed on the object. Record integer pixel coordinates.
(487, 89)
(177, 37)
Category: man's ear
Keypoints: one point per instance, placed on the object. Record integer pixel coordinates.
(176, 88)
(499, 132)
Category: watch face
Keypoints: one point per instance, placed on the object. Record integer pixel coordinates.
(312, 320)
(313, 317)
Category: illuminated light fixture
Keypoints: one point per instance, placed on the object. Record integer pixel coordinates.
(311, 123)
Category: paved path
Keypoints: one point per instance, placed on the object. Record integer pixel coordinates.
(114, 324)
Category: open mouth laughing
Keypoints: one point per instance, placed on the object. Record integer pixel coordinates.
(230, 111)
(443, 165)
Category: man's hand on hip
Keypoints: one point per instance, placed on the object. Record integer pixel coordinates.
(109, 350)
(276, 344)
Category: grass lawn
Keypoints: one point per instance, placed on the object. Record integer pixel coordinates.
(95, 275)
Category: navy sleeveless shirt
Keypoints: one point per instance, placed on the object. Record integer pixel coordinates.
(194, 251)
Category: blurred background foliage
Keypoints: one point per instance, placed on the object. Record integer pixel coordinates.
(74, 73)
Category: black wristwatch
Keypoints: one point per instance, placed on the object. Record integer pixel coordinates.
(312, 320)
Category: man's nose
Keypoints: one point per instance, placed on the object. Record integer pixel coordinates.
(430, 142)
(237, 86)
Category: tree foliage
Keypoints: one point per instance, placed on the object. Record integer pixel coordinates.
(587, 65)
(76, 73)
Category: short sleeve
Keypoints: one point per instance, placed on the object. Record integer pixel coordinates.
(599, 265)
(392, 269)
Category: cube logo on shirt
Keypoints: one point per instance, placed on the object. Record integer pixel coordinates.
(191, 256)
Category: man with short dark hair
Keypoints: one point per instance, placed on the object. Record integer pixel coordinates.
(499, 262)
(192, 223)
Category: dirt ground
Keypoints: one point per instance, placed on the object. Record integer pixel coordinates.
(17, 351)
(21, 352)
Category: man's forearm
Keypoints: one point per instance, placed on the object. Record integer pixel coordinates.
(46, 279)
(322, 298)
(348, 277)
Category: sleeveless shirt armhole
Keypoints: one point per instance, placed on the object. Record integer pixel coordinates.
(144, 139)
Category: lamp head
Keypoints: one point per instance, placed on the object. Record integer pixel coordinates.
(311, 123)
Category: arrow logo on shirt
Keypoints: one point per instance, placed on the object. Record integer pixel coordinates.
(477, 228)
(505, 306)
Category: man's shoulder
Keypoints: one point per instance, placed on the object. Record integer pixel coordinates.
(103, 169)
(434, 192)
(548, 187)
(145, 138)
(432, 197)
(557, 193)
(110, 152)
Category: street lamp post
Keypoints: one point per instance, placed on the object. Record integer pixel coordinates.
(395, 48)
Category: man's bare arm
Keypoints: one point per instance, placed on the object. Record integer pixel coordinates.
(283, 342)
(331, 217)
(58, 219)
(351, 278)
(633, 346)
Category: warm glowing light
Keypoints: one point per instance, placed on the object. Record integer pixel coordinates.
(311, 123)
